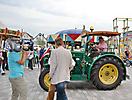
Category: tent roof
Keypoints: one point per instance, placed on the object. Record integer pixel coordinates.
(70, 31)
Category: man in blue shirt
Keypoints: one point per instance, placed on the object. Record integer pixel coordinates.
(15, 69)
(16, 60)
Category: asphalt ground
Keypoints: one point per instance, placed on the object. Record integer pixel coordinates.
(76, 90)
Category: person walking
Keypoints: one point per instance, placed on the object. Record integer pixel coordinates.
(16, 59)
(5, 64)
(2, 67)
(60, 67)
(41, 52)
(1, 61)
(36, 55)
(30, 60)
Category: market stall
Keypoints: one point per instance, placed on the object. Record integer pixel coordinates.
(6, 33)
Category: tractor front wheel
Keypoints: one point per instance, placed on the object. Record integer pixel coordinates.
(107, 73)
(44, 79)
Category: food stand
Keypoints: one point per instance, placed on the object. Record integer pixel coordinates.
(6, 33)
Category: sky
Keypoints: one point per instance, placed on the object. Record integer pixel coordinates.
(51, 16)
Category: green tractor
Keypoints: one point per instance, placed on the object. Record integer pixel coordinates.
(106, 70)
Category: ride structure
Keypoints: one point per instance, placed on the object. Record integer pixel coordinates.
(105, 69)
(6, 33)
(126, 35)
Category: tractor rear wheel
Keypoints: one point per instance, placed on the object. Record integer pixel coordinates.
(44, 79)
(107, 73)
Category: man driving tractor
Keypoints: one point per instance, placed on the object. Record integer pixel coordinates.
(102, 46)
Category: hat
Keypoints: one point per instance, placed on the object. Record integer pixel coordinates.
(101, 38)
(14, 45)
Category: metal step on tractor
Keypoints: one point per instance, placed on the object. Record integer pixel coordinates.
(105, 69)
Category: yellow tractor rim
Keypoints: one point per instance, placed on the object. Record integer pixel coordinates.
(47, 80)
(108, 74)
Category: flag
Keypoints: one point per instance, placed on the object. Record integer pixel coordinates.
(47, 51)
(92, 39)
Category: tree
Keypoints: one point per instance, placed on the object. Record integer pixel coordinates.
(40, 42)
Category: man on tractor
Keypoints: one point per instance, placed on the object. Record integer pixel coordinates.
(102, 46)
(97, 49)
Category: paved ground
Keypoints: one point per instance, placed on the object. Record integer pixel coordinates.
(75, 91)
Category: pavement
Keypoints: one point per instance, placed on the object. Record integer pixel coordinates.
(75, 91)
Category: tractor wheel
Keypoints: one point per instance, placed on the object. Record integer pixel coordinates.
(107, 73)
(44, 80)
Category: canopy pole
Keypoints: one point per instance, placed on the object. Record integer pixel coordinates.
(65, 40)
(119, 44)
(0, 41)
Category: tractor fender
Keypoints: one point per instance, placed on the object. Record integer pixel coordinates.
(101, 56)
(45, 61)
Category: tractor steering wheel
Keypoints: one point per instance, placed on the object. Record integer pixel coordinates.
(92, 47)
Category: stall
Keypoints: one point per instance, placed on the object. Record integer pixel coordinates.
(6, 33)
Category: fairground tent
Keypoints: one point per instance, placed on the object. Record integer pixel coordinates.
(70, 35)
(67, 35)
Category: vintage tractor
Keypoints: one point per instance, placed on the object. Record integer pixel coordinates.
(106, 70)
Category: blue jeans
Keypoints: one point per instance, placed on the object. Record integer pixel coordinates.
(61, 94)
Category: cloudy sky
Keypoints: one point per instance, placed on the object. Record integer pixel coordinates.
(50, 16)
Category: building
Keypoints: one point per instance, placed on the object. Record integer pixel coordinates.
(40, 40)
(26, 35)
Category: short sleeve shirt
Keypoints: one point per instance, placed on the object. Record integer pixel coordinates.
(15, 70)
(103, 46)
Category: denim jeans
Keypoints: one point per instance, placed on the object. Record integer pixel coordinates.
(60, 89)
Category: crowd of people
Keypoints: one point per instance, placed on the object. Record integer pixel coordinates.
(18, 56)
(33, 58)
(14, 57)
